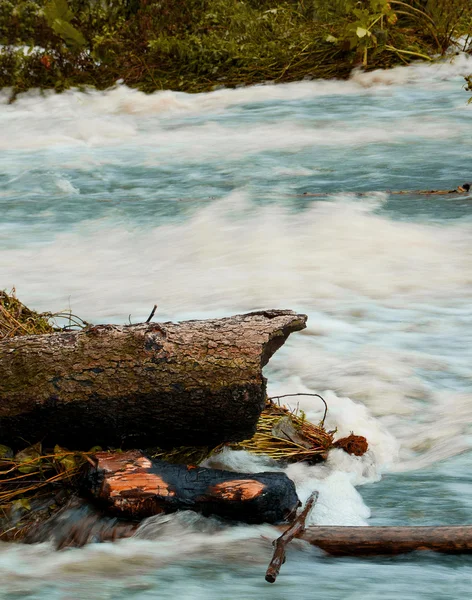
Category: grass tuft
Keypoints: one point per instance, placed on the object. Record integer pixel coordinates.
(285, 435)
(17, 319)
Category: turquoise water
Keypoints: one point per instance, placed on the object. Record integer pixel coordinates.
(114, 201)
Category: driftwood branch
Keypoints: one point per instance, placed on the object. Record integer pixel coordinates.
(365, 541)
(295, 530)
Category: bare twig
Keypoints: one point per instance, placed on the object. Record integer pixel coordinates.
(393, 49)
(152, 314)
(303, 394)
(296, 528)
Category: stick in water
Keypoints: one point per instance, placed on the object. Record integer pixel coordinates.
(296, 528)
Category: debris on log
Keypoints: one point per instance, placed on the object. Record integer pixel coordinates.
(280, 544)
(195, 383)
(130, 485)
(284, 434)
(353, 444)
(365, 541)
(33, 484)
(17, 319)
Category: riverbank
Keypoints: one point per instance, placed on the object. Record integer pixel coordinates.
(196, 46)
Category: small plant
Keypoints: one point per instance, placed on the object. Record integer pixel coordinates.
(370, 17)
(59, 16)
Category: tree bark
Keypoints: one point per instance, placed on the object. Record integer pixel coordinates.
(130, 485)
(194, 383)
(364, 541)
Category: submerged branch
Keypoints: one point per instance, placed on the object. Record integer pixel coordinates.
(295, 530)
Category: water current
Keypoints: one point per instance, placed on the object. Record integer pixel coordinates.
(113, 201)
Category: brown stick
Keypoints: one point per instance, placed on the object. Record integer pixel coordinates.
(295, 530)
(152, 314)
(364, 541)
(459, 190)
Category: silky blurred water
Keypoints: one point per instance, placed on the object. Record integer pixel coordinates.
(113, 201)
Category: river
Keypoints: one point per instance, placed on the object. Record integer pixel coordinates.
(113, 201)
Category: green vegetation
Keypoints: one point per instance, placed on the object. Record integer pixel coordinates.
(195, 45)
(469, 85)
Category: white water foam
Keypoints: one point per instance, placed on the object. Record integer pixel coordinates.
(337, 256)
(123, 100)
(434, 73)
(118, 116)
(210, 140)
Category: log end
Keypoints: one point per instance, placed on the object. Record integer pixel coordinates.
(280, 324)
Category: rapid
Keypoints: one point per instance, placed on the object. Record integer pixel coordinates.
(114, 201)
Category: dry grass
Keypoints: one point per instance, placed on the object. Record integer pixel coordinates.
(29, 471)
(17, 319)
(33, 484)
(286, 435)
(282, 434)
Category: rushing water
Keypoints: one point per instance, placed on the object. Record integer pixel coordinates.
(113, 201)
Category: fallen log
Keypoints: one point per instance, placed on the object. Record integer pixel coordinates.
(460, 189)
(365, 541)
(195, 383)
(130, 485)
(280, 544)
